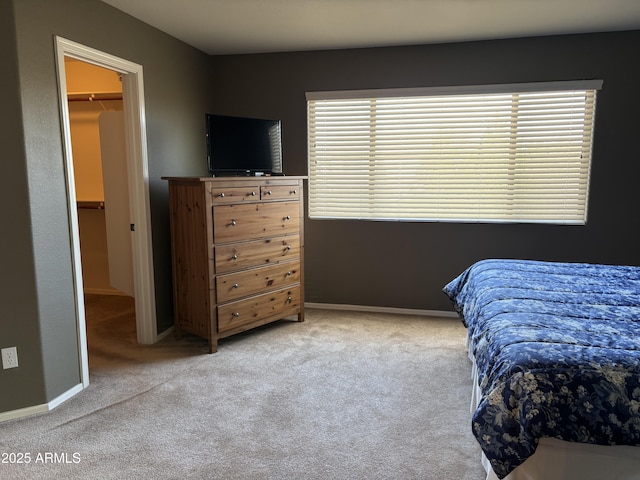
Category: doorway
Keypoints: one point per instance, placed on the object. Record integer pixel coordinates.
(100, 171)
(137, 187)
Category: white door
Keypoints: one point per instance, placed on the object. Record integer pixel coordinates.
(116, 201)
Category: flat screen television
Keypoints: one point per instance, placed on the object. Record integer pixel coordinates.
(243, 146)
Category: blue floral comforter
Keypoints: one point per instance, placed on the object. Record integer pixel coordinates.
(557, 348)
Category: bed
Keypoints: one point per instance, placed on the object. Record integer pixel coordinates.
(555, 349)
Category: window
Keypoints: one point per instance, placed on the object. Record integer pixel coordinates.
(494, 153)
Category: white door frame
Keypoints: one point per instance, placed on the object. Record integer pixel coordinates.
(138, 179)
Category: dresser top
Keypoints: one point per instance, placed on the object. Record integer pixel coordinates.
(236, 178)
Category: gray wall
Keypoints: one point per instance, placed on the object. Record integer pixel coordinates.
(406, 264)
(18, 309)
(36, 254)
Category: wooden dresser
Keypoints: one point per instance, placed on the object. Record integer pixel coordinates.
(237, 251)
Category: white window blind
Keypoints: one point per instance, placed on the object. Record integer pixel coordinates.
(495, 153)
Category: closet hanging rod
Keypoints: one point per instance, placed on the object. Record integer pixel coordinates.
(90, 97)
(90, 205)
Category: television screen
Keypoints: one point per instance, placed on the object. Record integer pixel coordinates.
(243, 146)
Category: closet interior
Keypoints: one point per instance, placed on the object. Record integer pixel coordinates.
(99, 161)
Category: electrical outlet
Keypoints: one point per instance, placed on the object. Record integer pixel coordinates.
(9, 357)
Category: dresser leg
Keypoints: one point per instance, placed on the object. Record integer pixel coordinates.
(301, 316)
(213, 345)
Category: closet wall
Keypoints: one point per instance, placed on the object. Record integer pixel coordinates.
(91, 91)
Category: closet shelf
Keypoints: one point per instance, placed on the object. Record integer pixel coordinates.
(91, 205)
(90, 97)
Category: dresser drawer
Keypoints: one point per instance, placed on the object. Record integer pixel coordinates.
(279, 192)
(221, 195)
(234, 316)
(249, 282)
(236, 256)
(232, 223)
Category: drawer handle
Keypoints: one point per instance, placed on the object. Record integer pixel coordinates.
(253, 194)
(269, 192)
(289, 274)
(234, 257)
(289, 299)
(236, 314)
(288, 217)
(221, 195)
(293, 192)
(235, 285)
(233, 223)
(288, 247)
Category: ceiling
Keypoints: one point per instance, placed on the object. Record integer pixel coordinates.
(223, 27)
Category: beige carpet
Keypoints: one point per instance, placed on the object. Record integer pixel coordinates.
(341, 396)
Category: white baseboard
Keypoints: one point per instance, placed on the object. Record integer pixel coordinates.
(373, 309)
(162, 335)
(45, 407)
